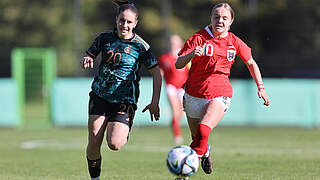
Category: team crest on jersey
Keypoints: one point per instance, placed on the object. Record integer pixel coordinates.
(127, 50)
(231, 54)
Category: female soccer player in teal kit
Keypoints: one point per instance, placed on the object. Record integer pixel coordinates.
(115, 90)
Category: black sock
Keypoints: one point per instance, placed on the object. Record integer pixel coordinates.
(94, 167)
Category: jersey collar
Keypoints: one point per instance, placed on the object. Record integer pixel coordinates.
(209, 31)
(207, 28)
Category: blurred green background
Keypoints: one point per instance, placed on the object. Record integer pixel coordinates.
(284, 34)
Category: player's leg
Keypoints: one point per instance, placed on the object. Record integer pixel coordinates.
(193, 113)
(177, 112)
(117, 135)
(213, 113)
(119, 125)
(193, 124)
(96, 128)
(195, 107)
(210, 113)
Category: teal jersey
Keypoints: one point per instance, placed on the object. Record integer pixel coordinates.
(118, 77)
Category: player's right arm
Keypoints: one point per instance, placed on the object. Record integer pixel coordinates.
(183, 60)
(86, 62)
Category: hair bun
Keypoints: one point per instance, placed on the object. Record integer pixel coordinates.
(121, 2)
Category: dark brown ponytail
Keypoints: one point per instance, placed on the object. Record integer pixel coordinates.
(121, 2)
(124, 5)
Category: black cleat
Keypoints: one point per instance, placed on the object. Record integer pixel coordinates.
(206, 162)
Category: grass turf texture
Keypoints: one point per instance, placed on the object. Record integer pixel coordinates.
(246, 153)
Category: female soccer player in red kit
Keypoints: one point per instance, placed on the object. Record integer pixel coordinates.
(212, 51)
(175, 79)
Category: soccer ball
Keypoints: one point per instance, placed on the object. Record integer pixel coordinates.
(182, 161)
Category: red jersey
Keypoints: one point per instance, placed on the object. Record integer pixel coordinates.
(173, 76)
(209, 73)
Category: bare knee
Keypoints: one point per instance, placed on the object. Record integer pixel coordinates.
(117, 134)
(115, 146)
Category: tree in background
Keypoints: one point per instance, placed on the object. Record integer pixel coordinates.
(285, 34)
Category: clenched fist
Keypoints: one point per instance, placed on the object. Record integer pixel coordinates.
(86, 62)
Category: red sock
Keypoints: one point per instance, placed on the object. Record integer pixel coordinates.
(176, 127)
(200, 141)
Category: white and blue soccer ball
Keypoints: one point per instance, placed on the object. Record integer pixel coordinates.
(182, 161)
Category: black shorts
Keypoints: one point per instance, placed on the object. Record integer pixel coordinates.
(114, 112)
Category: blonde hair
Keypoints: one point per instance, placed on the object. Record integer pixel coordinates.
(225, 5)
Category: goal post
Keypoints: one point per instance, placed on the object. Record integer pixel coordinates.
(34, 70)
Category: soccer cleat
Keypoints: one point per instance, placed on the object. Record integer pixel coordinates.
(206, 162)
(182, 178)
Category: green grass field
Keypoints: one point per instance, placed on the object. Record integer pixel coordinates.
(257, 153)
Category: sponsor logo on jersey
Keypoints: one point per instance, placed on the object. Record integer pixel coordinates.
(231, 54)
(127, 50)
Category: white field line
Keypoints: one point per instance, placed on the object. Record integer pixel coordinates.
(81, 144)
(52, 144)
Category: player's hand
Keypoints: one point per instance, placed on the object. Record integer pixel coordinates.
(263, 94)
(154, 111)
(198, 51)
(86, 62)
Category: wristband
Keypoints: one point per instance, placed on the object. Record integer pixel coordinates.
(260, 86)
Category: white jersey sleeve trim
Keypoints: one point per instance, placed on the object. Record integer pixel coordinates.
(208, 31)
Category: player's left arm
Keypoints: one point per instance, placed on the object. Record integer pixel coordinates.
(256, 75)
(153, 107)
